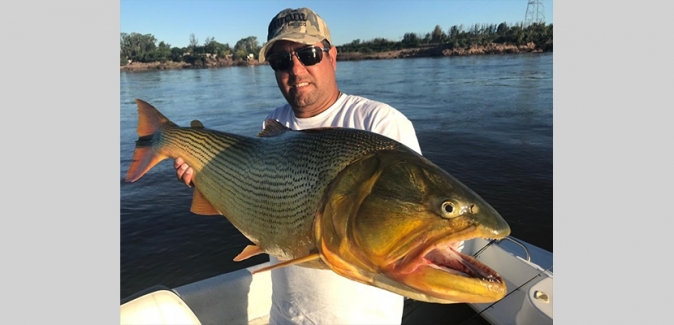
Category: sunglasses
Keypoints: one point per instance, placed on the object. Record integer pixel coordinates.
(309, 56)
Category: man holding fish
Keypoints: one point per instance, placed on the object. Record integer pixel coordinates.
(300, 51)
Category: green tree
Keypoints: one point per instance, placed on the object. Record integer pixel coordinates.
(194, 41)
(248, 45)
(177, 54)
(239, 54)
(454, 33)
(210, 45)
(137, 47)
(502, 28)
(427, 38)
(410, 40)
(475, 30)
(224, 50)
(162, 53)
(438, 35)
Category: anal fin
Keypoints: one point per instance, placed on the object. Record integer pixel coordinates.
(300, 260)
(200, 205)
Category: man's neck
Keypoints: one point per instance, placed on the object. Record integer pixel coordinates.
(307, 114)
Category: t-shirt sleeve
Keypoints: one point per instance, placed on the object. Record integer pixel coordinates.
(393, 124)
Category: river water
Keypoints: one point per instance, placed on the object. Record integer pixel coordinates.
(487, 120)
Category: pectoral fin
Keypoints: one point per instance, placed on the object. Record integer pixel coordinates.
(249, 251)
(201, 206)
(272, 128)
(308, 258)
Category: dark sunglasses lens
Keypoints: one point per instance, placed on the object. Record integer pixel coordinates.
(280, 61)
(310, 55)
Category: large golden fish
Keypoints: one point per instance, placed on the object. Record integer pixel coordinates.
(365, 206)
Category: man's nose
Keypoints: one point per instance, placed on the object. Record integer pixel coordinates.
(296, 67)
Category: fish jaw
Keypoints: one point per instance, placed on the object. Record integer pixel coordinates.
(381, 224)
(443, 274)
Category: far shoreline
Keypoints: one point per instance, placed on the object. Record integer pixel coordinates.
(430, 51)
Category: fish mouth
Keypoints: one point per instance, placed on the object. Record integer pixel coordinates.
(438, 270)
(446, 257)
(443, 255)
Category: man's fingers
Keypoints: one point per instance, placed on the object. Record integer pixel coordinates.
(187, 176)
(176, 163)
(183, 171)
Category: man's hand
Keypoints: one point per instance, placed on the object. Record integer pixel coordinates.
(183, 171)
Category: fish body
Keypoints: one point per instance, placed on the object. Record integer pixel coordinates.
(356, 202)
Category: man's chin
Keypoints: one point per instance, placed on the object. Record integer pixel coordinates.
(298, 100)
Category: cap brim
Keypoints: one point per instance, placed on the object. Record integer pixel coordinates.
(302, 38)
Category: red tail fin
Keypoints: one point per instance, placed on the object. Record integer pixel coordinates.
(145, 157)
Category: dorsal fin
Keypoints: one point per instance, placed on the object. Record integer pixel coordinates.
(272, 128)
(196, 124)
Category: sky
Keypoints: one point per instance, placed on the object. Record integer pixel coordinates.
(172, 21)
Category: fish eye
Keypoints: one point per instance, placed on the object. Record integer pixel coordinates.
(448, 209)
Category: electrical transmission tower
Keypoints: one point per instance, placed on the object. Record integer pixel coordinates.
(534, 13)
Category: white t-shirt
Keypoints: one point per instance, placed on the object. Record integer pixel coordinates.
(355, 112)
(311, 296)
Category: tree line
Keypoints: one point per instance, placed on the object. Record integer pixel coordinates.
(460, 37)
(144, 48)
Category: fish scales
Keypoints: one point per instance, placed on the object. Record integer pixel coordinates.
(270, 187)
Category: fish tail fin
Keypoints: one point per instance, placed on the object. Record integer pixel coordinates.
(145, 156)
(149, 119)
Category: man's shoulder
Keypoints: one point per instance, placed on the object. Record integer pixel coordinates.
(381, 118)
(355, 100)
(369, 107)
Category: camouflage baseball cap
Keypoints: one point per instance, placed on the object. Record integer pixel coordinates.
(301, 25)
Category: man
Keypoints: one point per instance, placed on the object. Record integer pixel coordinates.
(299, 49)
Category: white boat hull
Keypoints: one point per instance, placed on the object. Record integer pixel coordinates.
(240, 297)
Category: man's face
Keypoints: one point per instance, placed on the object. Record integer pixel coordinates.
(308, 89)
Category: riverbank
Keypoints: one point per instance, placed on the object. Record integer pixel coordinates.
(170, 65)
(432, 51)
(439, 51)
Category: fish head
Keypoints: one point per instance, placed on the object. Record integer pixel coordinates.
(394, 220)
